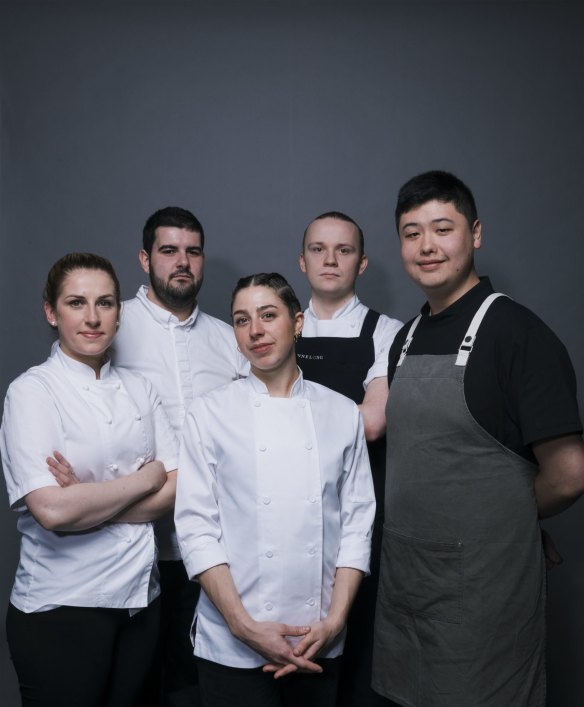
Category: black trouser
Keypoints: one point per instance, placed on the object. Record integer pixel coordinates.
(173, 680)
(223, 686)
(81, 656)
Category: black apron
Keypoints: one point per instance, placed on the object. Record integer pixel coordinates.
(342, 364)
(460, 612)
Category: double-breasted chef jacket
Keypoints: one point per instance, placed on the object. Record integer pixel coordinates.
(279, 489)
(105, 428)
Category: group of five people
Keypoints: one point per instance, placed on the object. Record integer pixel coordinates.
(283, 503)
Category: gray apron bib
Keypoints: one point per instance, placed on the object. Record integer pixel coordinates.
(460, 608)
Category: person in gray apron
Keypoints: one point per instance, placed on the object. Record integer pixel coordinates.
(471, 449)
(344, 363)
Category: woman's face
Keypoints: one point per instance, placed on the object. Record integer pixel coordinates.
(86, 315)
(264, 328)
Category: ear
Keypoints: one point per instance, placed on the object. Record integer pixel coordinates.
(363, 264)
(301, 262)
(50, 314)
(144, 259)
(476, 234)
(298, 323)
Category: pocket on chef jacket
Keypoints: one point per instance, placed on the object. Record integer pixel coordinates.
(422, 577)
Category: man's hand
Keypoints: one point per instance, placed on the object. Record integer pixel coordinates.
(552, 556)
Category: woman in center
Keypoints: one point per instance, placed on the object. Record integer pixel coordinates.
(274, 512)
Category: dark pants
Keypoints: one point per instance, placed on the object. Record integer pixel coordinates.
(82, 657)
(223, 686)
(173, 680)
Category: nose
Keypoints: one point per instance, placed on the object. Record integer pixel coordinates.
(181, 259)
(92, 316)
(256, 328)
(330, 258)
(427, 244)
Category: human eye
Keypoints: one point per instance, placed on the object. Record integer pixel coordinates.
(410, 234)
(194, 252)
(346, 250)
(167, 250)
(105, 303)
(443, 230)
(75, 303)
(269, 315)
(240, 321)
(315, 249)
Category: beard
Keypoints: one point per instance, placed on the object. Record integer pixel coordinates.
(176, 296)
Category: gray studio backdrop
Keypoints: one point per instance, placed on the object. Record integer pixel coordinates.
(258, 116)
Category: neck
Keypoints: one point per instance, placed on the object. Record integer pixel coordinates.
(279, 383)
(325, 307)
(441, 301)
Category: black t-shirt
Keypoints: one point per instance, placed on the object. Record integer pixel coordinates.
(519, 385)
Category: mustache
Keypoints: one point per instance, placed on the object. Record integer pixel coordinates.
(182, 271)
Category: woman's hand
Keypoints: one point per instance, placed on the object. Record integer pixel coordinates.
(155, 472)
(61, 470)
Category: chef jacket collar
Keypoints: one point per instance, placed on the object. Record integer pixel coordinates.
(163, 316)
(343, 311)
(297, 390)
(77, 368)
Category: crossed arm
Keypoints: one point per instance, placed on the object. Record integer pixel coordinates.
(73, 506)
(268, 638)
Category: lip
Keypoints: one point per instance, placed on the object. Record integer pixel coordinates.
(329, 274)
(428, 265)
(92, 334)
(260, 348)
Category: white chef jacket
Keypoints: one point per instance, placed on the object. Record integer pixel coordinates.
(105, 428)
(280, 489)
(346, 323)
(182, 359)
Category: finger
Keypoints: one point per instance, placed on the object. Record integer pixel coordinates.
(61, 459)
(295, 630)
(286, 670)
(270, 668)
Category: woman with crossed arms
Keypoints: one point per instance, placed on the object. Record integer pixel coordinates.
(274, 512)
(85, 451)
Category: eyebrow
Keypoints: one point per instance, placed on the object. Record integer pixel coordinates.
(337, 245)
(262, 308)
(434, 220)
(107, 294)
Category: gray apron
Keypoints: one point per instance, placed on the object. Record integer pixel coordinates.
(460, 608)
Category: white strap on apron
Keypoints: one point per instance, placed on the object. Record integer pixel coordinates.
(469, 337)
(471, 334)
(408, 340)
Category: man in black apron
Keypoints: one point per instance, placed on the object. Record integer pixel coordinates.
(483, 436)
(344, 345)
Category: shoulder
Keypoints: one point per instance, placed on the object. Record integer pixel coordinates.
(207, 320)
(321, 394)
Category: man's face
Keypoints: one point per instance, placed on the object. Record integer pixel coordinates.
(437, 250)
(175, 268)
(331, 258)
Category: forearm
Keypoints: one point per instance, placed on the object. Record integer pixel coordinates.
(347, 581)
(150, 507)
(85, 505)
(219, 586)
(373, 409)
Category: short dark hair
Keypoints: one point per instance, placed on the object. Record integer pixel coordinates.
(341, 217)
(172, 217)
(76, 261)
(439, 186)
(275, 282)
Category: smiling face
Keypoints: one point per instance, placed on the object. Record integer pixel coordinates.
(332, 259)
(85, 314)
(175, 268)
(437, 250)
(265, 330)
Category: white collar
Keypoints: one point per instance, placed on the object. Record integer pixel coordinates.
(260, 388)
(77, 368)
(163, 316)
(347, 309)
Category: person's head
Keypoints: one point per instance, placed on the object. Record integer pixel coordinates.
(82, 301)
(267, 319)
(439, 233)
(436, 186)
(172, 256)
(333, 256)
